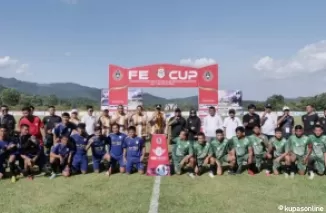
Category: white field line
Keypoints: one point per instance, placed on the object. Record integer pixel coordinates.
(153, 208)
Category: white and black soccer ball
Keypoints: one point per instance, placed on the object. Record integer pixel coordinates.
(162, 170)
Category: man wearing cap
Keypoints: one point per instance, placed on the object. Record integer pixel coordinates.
(212, 122)
(309, 120)
(250, 120)
(89, 120)
(157, 121)
(286, 122)
(268, 122)
(230, 124)
(74, 117)
(176, 124)
(104, 122)
(121, 118)
(193, 125)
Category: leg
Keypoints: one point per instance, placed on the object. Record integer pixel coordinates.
(2, 171)
(276, 165)
(319, 165)
(113, 162)
(302, 167)
(231, 159)
(96, 163)
(129, 165)
(177, 166)
(213, 164)
(122, 165)
(13, 168)
(76, 164)
(140, 167)
(84, 164)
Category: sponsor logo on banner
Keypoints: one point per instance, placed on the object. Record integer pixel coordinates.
(117, 75)
(208, 76)
(161, 73)
(158, 161)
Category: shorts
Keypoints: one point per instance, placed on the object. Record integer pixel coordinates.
(134, 161)
(119, 160)
(318, 163)
(242, 159)
(61, 166)
(300, 164)
(223, 159)
(200, 162)
(97, 161)
(80, 163)
(259, 160)
(276, 164)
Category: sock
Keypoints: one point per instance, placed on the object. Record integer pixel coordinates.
(293, 167)
(252, 167)
(190, 170)
(212, 168)
(53, 167)
(12, 167)
(287, 169)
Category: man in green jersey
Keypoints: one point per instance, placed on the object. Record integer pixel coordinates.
(203, 153)
(221, 154)
(318, 156)
(182, 154)
(299, 148)
(259, 144)
(277, 148)
(241, 146)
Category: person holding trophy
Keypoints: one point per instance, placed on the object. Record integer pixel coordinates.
(139, 120)
(121, 118)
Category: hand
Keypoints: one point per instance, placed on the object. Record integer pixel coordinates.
(124, 160)
(28, 161)
(141, 158)
(305, 160)
(11, 146)
(61, 160)
(251, 120)
(268, 156)
(192, 128)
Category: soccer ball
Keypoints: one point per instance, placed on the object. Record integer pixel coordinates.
(162, 170)
(66, 172)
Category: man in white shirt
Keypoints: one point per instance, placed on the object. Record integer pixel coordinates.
(268, 122)
(212, 122)
(230, 124)
(89, 120)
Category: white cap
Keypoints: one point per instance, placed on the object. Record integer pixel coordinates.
(105, 108)
(74, 111)
(286, 108)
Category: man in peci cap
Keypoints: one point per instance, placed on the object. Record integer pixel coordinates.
(286, 122)
(250, 120)
(176, 124)
(268, 122)
(157, 121)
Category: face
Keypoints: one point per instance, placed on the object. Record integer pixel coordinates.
(252, 110)
(65, 119)
(81, 130)
(256, 130)
(120, 110)
(201, 139)
(178, 114)
(26, 113)
(309, 109)
(4, 110)
(268, 110)
(318, 131)
(286, 112)
(278, 134)
(240, 134)
(183, 135)
(90, 111)
(98, 132)
(212, 112)
(219, 136)
(3, 132)
(24, 130)
(131, 133)
(51, 111)
(115, 129)
(232, 115)
(158, 109)
(74, 115)
(299, 132)
(105, 112)
(192, 113)
(139, 110)
(64, 140)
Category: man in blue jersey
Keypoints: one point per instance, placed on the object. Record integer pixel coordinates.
(61, 157)
(63, 128)
(98, 143)
(115, 151)
(4, 146)
(79, 142)
(134, 151)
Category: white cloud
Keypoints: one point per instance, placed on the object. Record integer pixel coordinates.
(70, 1)
(67, 54)
(201, 62)
(308, 60)
(23, 69)
(7, 61)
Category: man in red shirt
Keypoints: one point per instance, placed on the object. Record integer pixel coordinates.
(36, 126)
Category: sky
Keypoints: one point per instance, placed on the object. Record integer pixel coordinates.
(261, 47)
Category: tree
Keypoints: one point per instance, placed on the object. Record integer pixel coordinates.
(25, 100)
(51, 100)
(277, 101)
(36, 100)
(10, 97)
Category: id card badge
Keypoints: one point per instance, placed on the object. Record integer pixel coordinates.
(287, 130)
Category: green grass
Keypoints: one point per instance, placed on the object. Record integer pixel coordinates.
(179, 194)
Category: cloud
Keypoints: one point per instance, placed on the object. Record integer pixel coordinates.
(201, 62)
(70, 1)
(7, 61)
(23, 69)
(68, 54)
(310, 59)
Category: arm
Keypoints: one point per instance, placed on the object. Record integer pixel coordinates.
(198, 125)
(225, 123)
(280, 120)
(53, 151)
(41, 125)
(37, 155)
(245, 120)
(205, 125)
(250, 154)
(219, 122)
(90, 142)
(143, 151)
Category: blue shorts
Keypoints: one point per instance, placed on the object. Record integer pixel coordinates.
(134, 161)
(97, 161)
(80, 163)
(115, 160)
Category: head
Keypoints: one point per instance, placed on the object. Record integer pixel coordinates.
(98, 131)
(32, 109)
(232, 113)
(3, 131)
(105, 112)
(24, 129)
(120, 109)
(212, 111)
(298, 130)
(51, 110)
(64, 139)
(256, 129)
(158, 108)
(278, 133)
(318, 130)
(219, 134)
(251, 108)
(177, 112)
(286, 110)
(309, 108)
(65, 117)
(268, 108)
(132, 131)
(139, 109)
(201, 138)
(240, 132)
(81, 128)
(74, 113)
(4, 109)
(192, 113)
(26, 111)
(183, 135)
(90, 110)
(115, 128)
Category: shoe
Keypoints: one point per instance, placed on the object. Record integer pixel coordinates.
(311, 175)
(268, 173)
(107, 173)
(191, 175)
(30, 177)
(250, 172)
(292, 175)
(211, 175)
(286, 175)
(13, 179)
(230, 172)
(53, 175)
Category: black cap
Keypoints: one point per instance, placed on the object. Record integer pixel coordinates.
(158, 106)
(269, 106)
(177, 110)
(81, 126)
(251, 106)
(231, 111)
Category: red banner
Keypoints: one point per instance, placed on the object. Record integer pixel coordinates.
(158, 161)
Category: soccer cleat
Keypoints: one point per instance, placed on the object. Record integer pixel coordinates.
(311, 175)
(286, 175)
(13, 179)
(53, 175)
(268, 173)
(292, 175)
(211, 175)
(250, 172)
(107, 173)
(191, 175)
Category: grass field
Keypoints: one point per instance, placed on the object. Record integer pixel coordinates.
(132, 194)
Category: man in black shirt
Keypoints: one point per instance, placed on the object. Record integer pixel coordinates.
(175, 125)
(193, 125)
(51, 120)
(286, 122)
(250, 120)
(7, 120)
(309, 120)
(322, 121)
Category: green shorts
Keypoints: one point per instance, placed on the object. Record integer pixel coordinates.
(277, 164)
(259, 160)
(300, 164)
(242, 159)
(318, 163)
(223, 159)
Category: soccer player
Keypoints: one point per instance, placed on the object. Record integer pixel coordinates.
(202, 152)
(134, 151)
(79, 141)
(317, 160)
(115, 151)
(3, 148)
(259, 143)
(8, 120)
(182, 155)
(61, 157)
(242, 148)
(221, 154)
(277, 148)
(63, 128)
(299, 148)
(98, 143)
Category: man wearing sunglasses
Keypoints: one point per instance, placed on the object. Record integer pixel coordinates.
(7, 120)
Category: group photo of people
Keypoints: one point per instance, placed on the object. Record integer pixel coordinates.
(68, 144)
